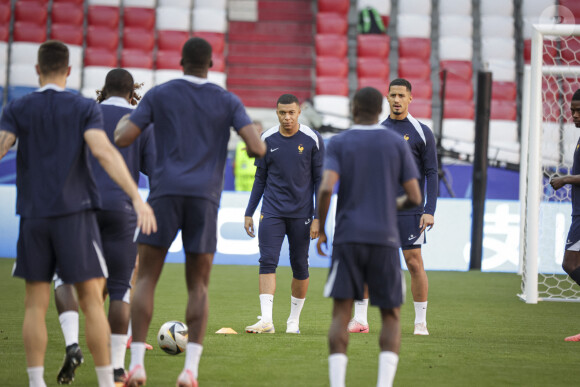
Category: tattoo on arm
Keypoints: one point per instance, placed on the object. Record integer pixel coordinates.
(7, 139)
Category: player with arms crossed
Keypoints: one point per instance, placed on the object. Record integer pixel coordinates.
(192, 120)
(287, 177)
(370, 162)
(56, 201)
(116, 220)
(412, 222)
(571, 263)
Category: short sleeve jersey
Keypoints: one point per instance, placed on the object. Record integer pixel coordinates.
(53, 173)
(192, 120)
(139, 156)
(293, 168)
(372, 162)
(422, 142)
(576, 188)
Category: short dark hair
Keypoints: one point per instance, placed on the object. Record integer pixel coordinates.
(368, 101)
(196, 53)
(287, 99)
(119, 82)
(400, 82)
(53, 57)
(576, 96)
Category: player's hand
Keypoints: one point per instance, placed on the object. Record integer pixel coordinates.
(557, 182)
(427, 220)
(321, 241)
(146, 221)
(314, 227)
(249, 225)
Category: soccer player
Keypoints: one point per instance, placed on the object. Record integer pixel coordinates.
(571, 263)
(244, 166)
(192, 120)
(116, 221)
(287, 178)
(56, 199)
(412, 222)
(370, 162)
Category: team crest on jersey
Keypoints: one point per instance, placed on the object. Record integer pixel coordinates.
(300, 149)
(261, 217)
(406, 137)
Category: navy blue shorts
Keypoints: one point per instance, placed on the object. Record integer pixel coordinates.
(69, 244)
(120, 250)
(196, 217)
(573, 239)
(409, 231)
(271, 235)
(354, 264)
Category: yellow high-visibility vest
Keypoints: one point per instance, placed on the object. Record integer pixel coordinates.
(244, 169)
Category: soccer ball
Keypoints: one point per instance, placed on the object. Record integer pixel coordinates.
(172, 337)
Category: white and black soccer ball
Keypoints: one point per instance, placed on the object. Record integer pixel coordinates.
(172, 337)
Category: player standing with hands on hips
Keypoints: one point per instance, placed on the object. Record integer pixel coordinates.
(370, 161)
(287, 177)
(571, 263)
(413, 222)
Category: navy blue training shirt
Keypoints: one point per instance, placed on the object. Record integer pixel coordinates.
(53, 176)
(192, 120)
(422, 142)
(371, 162)
(289, 174)
(139, 156)
(576, 188)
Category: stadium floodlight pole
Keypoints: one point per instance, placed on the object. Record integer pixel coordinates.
(480, 167)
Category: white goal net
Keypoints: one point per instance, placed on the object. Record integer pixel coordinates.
(547, 147)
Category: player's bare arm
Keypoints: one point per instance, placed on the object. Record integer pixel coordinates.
(7, 140)
(249, 225)
(559, 182)
(329, 180)
(126, 132)
(314, 229)
(251, 136)
(427, 220)
(114, 164)
(412, 197)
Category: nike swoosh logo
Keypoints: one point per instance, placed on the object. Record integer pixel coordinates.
(308, 221)
(274, 150)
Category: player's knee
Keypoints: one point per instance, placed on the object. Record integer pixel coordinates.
(268, 268)
(301, 274)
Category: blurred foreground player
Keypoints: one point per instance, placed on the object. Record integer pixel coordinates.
(370, 162)
(571, 263)
(117, 221)
(192, 120)
(56, 201)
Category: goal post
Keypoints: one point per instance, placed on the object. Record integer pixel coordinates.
(553, 76)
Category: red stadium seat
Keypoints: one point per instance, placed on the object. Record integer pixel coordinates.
(103, 37)
(69, 34)
(5, 14)
(381, 84)
(459, 89)
(330, 66)
(136, 59)
(138, 38)
(372, 67)
(331, 45)
(139, 17)
(415, 48)
(4, 32)
(103, 16)
(100, 57)
(78, 2)
(421, 88)
(338, 6)
(573, 6)
(331, 23)
(414, 68)
(216, 39)
(550, 52)
(455, 108)
(168, 60)
(504, 91)
(420, 108)
(332, 86)
(30, 11)
(503, 110)
(67, 13)
(457, 69)
(171, 40)
(373, 45)
(29, 32)
(219, 63)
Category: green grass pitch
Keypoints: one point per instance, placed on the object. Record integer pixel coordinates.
(481, 335)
